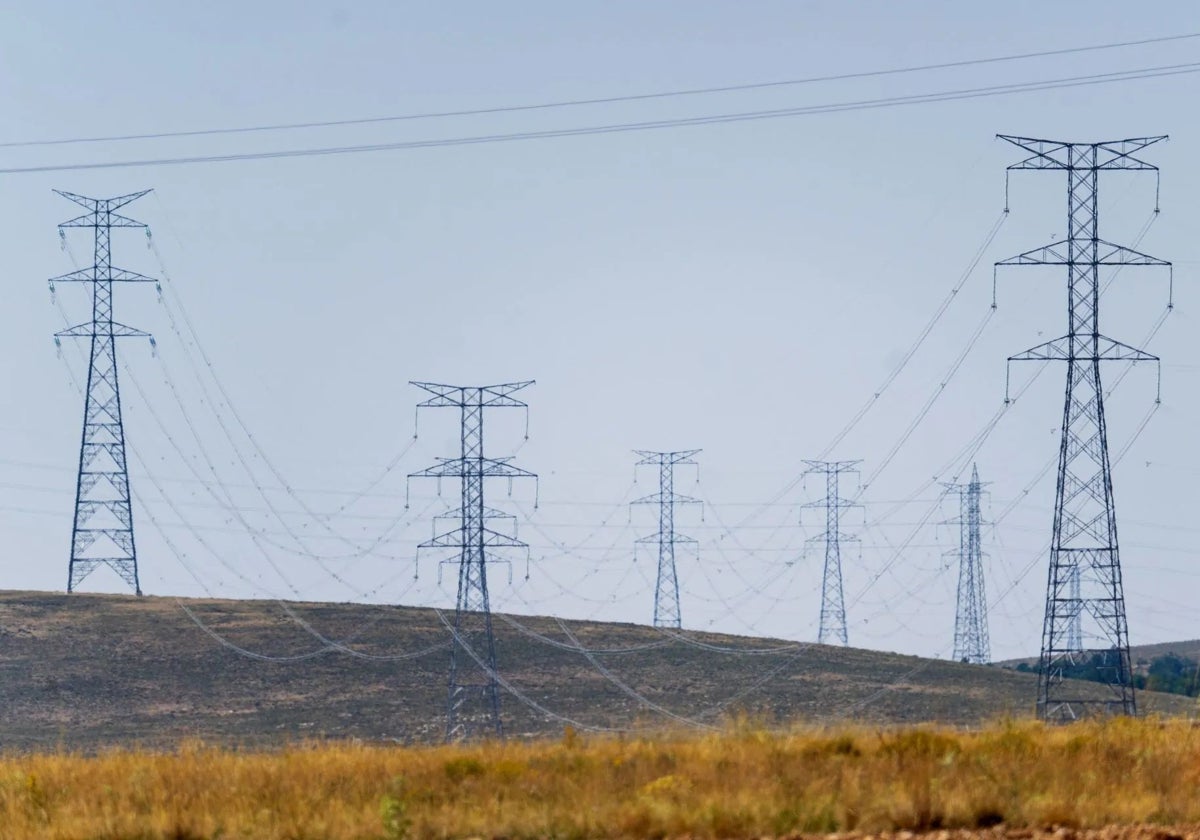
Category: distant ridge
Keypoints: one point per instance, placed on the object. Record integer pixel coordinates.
(1141, 654)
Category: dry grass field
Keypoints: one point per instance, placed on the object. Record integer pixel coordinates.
(1014, 779)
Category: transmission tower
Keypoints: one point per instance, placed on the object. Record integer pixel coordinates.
(473, 698)
(102, 531)
(833, 601)
(970, 620)
(666, 587)
(1085, 620)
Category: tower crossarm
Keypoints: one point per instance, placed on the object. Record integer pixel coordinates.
(840, 536)
(99, 205)
(1107, 350)
(488, 396)
(479, 467)
(655, 538)
(1102, 349)
(682, 457)
(488, 513)
(1055, 154)
(114, 275)
(88, 330)
(831, 466)
(490, 539)
(1107, 253)
(839, 502)
(673, 498)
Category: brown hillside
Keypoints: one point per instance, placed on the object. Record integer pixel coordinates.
(84, 671)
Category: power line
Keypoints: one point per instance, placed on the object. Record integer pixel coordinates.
(605, 100)
(973, 447)
(618, 128)
(920, 340)
(937, 316)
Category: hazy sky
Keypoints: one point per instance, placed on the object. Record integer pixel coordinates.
(739, 287)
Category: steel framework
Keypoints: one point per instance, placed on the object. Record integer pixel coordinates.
(102, 529)
(833, 601)
(1085, 625)
(970, 619)
(473, 676)
(666, 586)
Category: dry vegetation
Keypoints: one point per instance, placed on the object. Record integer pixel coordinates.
(745, 782)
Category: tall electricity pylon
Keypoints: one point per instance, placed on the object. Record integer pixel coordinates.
(833, 602)
(970, 619)
(666, 587)
(102, 530)
(1085, 620)
(473, 681)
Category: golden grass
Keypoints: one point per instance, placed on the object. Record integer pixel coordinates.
(745, 782)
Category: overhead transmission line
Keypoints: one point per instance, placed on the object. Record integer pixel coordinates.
(604, 100)
(1124, 449)
(228, 502)
(942, 307)
(259, 452)
(925, 663)
(919, 341)
(977, 442)
(327, 644)
(898, 552)
(973, 446)
(647, 125)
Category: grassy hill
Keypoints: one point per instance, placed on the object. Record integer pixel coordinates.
(85, 671)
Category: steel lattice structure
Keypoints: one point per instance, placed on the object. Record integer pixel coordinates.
(102, 530)
(971, 642)
(833, 600)
(1085, 623)
(472, 680)
(666, 587)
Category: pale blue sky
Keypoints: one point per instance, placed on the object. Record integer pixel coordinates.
(741, 288)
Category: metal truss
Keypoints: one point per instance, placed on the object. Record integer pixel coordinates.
(971, 642)
(666, 586)
(832, 629)
(102, 529)
(1085, 627)
(473, 698)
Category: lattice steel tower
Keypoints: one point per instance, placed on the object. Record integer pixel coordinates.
(970, 619)
(473, 698)
(1085, 622)
(832, 628)
(666, 586)
(102, 532)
